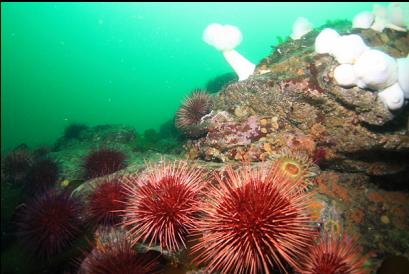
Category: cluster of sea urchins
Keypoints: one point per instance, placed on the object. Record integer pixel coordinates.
(248, 221)
(190, 114)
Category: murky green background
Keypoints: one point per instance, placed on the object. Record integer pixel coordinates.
(127, 63)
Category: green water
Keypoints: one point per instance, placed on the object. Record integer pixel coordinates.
(128, 63)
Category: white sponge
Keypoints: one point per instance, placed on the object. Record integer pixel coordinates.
(376, 70)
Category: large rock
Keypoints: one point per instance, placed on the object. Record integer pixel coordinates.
(292, 100)
(101, 135)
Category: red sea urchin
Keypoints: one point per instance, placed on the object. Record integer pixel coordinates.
(114, 255)
(189, 115)
(161, 206)
(103, 162)
(49, 223)
(106, 201)
(334, 255)
(254, 220)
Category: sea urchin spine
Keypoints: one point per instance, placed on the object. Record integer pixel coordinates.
(114, 254)
(106, 201)
(16, 165)
(43, 175)
(334, 255)
(161, 206)
(49, 223)
(253, 221)
(189, 116)
(103, 162)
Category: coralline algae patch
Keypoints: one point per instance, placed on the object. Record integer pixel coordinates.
(392, 205)
(254, 139)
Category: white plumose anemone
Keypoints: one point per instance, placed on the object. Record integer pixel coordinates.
(222, 37)
(392, 97)
(301, 27)
(403, 75)
(363, 20)
(394, 16)
(398, 14)
(364, 67)
(391, 17)
(225, 38)
(348, 48)
(344, 74)
(326, 40)
(375, 70)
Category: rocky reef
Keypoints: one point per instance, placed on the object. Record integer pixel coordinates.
(293, 101)
(348, 148)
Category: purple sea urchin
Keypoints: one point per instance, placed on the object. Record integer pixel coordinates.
(43, 175)
(48, 223)
(189, 115)
(103, 162)
(16, 165)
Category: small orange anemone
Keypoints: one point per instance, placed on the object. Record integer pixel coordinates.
(296, 166)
